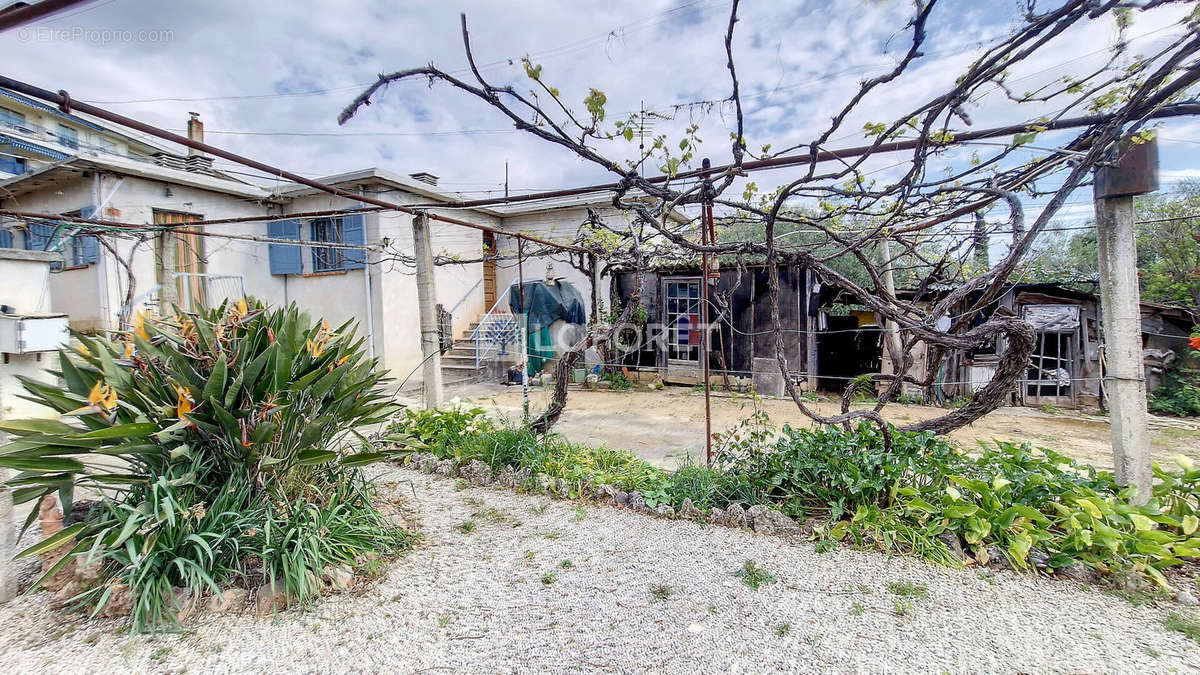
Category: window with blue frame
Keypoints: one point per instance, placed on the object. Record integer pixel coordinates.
(84, 248)
(68, 136)
(326, 258)
(11, 118)
(17, 165)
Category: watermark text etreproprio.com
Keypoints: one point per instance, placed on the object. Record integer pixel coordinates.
(102, 36)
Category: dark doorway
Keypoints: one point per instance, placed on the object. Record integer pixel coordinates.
(844, 351)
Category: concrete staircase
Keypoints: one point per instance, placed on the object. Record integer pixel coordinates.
(458, 364)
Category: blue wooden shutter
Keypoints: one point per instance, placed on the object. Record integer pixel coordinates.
(354, 231)
(86, 248)
(39, 236)
(285, 259)
(5, 238)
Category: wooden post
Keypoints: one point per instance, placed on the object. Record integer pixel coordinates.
(431, 373)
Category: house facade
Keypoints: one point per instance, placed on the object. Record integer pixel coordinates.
(97, 172)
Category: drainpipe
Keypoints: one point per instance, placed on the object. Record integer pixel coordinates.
(367, 286)
(101, 263)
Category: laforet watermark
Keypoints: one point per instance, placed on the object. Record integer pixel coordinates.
(103, 36)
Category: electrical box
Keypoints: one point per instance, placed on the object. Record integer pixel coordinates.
(1132, 170)
(32, 333)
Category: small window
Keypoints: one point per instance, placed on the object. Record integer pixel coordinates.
(325, 258)
(68, 136)
(12, 118)
(14, 165)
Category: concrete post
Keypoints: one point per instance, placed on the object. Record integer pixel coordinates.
(8, 540)
(431, 373)
(1125, 376)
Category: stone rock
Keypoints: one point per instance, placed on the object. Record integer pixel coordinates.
(561, 487)
(621, 498)
(636, 501)
(522, 476)
(425, 461)
(477, 473)
(735, 516)
(119, 603)
(80, 510)
(183, 604)
(1079, 572)
(605, 385)
(1186, 599)
(997, 558)
(507, 477)
(951, 541)
(228, 601)
(1039, 558)
(337, 578)
(689, 511)
(270, 598)
(445, 468)
(664, 510)
(769, 521)
(716, 516)
(544, 482)
(1131, 582)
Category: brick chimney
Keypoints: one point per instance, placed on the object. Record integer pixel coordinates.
(195, 131)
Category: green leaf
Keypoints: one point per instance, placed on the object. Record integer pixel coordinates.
(52, 542)
(35, 426)
(131, 430)
(310, 457)
(363, 458)
(215, 387)
(42, 464)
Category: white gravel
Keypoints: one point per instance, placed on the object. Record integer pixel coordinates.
(476, 602)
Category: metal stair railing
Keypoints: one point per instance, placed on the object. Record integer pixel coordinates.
(496, 330)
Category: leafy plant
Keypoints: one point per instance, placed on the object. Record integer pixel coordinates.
(908, 589)
(660, 592)
(1183, 623)
(753, 576)
(215, 438)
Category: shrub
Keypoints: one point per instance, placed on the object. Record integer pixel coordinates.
(1180, 396)
(220, 441)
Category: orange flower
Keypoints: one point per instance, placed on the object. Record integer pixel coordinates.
(129, 349)
(83, 350)
(184, 404)
(1194, 342)
(101, 398)
(139, 326)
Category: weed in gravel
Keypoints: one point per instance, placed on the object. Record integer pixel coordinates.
(753, 576)
(580, 514)
(908, 589)
(548, 578)
(466, 526)
(987, 577)
(461, 484)
(660, 592)
(783, 629)
(92, 639)
(446, 619)
(566, 564)
(1152, 652)
(902, 607)
(553, 534)
(824, 545)
(159, 655)
(1183, 623)
(857, 609)
(1135, 598)
(541, 508)
(472, 501)
(529, 555)
(494, 515)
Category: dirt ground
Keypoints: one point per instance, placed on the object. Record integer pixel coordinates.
(667, 426)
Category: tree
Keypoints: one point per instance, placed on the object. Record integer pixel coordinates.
(1169, 245)
(914, 208)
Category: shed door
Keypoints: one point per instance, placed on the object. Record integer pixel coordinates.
(489, 271)
(1051, 373)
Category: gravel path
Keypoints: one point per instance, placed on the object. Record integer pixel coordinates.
(501, 598)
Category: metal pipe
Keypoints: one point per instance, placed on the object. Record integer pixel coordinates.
(1176, 110)
(66, 105)
(704, 327)
(523, 323)
(23, 14)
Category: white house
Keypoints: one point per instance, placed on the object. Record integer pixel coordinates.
(69, 164)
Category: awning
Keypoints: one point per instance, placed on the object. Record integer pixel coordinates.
(30, 147)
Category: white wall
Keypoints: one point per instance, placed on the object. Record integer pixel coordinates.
(560, 225)
(24, 286)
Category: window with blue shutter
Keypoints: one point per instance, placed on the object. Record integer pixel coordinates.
(6, 238)
(354, 231)
(285, 258)
(39, 236)
(85, 248)
(327, 258)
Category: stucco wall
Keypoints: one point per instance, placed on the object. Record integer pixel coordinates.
(560, 226)
(26, 288)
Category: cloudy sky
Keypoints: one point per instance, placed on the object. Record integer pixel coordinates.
(269, 77)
